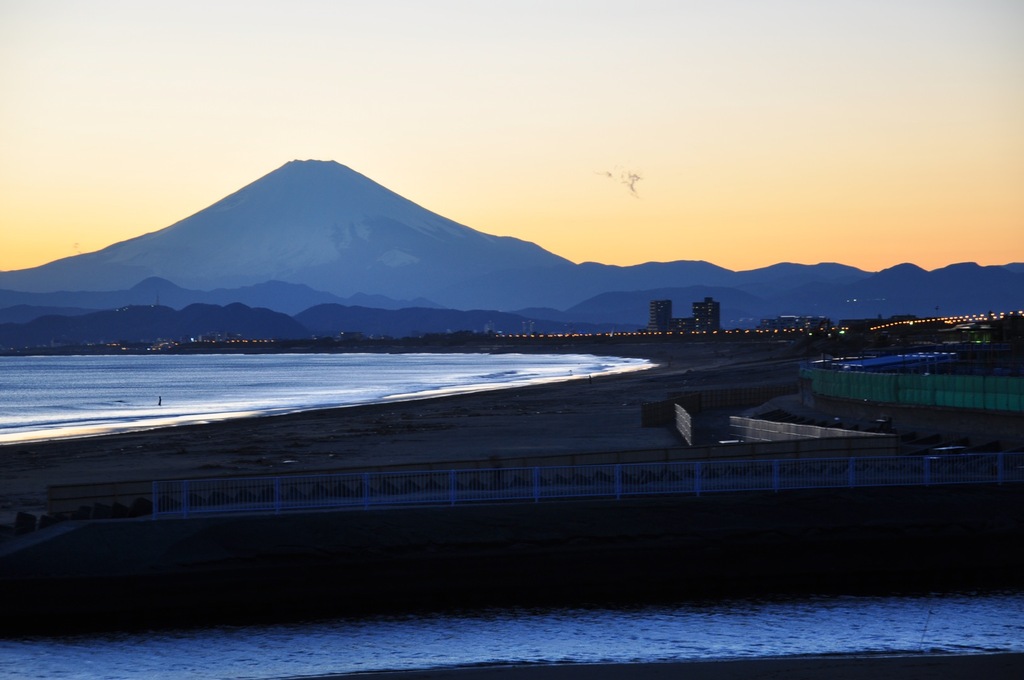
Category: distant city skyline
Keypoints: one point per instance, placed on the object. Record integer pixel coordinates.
(739, 133)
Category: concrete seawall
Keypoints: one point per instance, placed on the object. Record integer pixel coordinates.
(151, 573)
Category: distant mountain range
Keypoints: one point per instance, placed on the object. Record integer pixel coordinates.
(151, 323)
(196, 322)
(314, 237)
(290, 298)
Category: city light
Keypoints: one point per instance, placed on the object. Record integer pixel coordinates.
(948, 320)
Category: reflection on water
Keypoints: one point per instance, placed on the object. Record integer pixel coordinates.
(72, 396)
(949, 623)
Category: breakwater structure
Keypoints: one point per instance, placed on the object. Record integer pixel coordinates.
(237, 549)
(243, 566)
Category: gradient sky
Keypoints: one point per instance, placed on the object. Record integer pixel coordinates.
(867, 132)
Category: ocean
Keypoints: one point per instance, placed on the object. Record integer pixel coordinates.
(67, 396)
(957, 623)
(85, 395)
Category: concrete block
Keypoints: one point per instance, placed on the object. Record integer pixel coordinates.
(101, 511)
(140, 507)
(50, 520)
(24, 523)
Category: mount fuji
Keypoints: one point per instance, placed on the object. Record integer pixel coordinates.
(316, 223)
(317, 232)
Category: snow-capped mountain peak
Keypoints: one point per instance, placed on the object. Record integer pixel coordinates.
(310, 222)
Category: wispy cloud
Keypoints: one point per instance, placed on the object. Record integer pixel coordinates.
(629, 178)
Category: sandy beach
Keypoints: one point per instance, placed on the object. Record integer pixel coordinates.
(581, 415)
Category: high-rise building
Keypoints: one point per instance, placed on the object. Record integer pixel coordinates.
(682, 325)
(661, 315)
(706, 315)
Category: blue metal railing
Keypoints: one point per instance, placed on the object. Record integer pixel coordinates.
(185, 498)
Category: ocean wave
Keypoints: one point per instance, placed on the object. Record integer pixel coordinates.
(74, 396)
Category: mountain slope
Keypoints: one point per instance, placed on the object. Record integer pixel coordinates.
(316, 232)
(316, 223)
(965, 288)
(150, 323)
(27, 313)
(289, 298)
(562, 288)
(331, 319)
(630, 309)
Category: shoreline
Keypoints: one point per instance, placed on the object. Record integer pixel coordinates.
(565, 417)
(113, 427)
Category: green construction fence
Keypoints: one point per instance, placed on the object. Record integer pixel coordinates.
(980, 392)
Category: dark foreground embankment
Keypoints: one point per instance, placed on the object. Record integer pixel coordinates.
(151, 573)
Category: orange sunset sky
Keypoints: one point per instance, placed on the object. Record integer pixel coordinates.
(868, 132)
